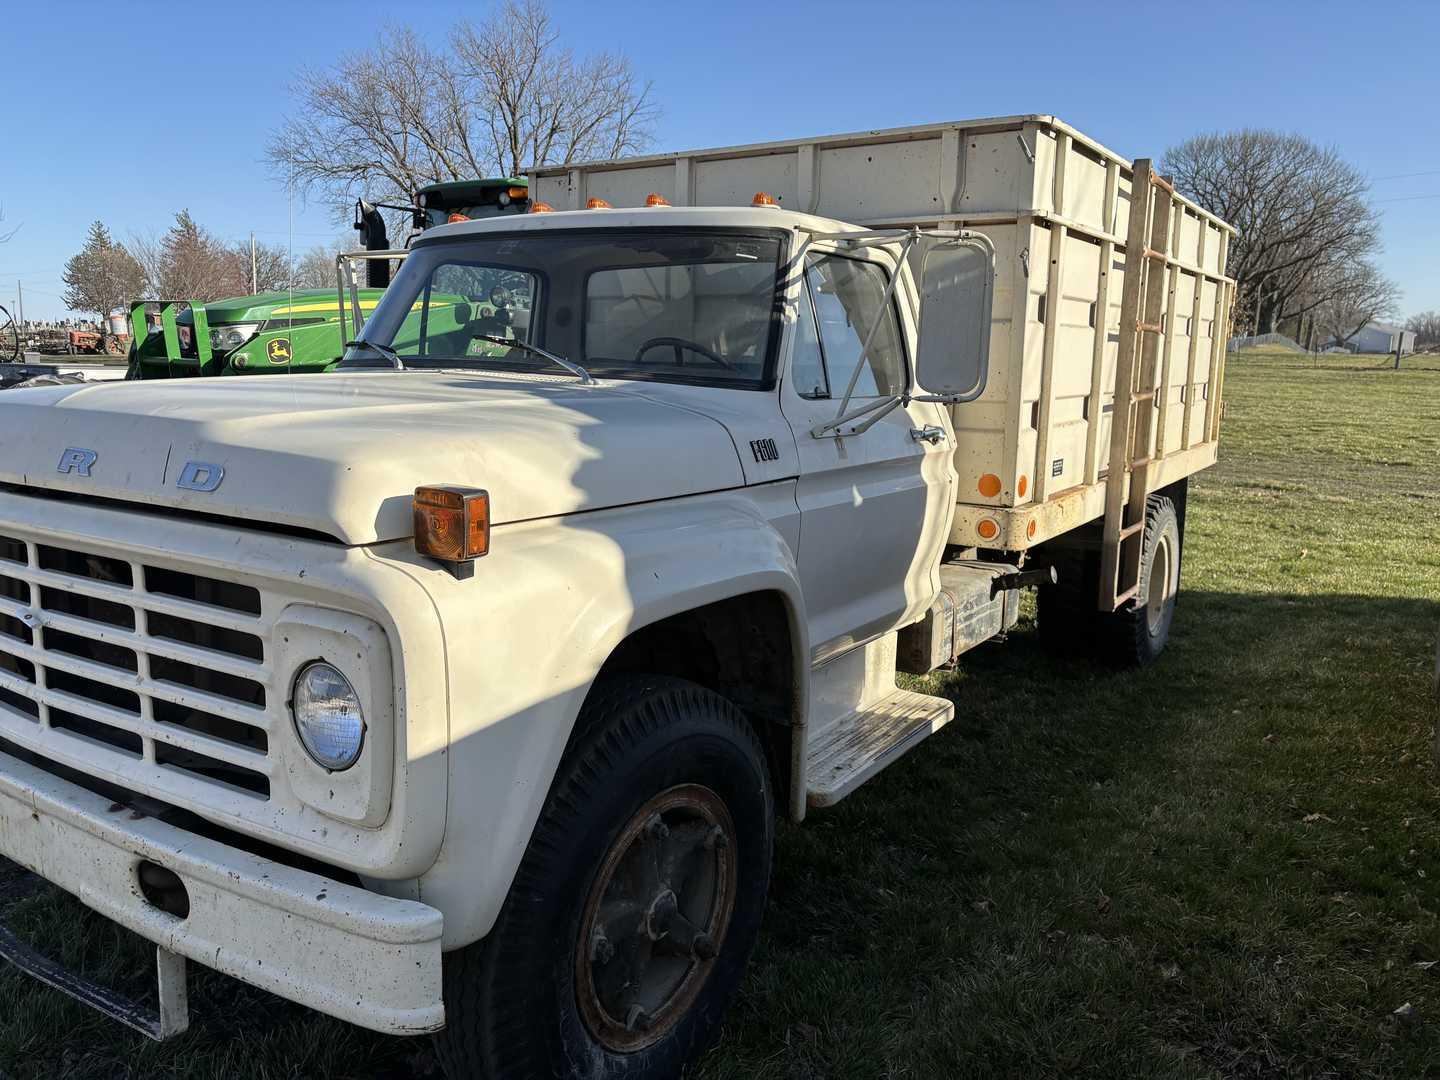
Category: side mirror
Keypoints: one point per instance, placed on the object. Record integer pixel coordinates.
(370, 224)
(956, 279)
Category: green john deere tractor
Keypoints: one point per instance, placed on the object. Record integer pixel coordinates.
(305, 330)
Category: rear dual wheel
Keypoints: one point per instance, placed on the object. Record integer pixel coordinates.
(630, 921)
(1136, 633)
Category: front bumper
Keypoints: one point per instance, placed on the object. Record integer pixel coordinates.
(367, 959)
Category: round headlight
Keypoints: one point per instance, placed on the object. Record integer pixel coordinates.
(328, 717)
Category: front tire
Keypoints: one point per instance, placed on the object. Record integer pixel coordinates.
(634, 911)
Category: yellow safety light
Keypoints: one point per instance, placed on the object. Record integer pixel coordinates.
(452, 525)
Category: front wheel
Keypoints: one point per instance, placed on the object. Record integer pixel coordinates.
(630, 921)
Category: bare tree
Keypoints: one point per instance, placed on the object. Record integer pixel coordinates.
(538, 103)
(1426, 328)
(189, 263)
(500, 96)
(1361, 296)
(316, 268)
(1300, 210)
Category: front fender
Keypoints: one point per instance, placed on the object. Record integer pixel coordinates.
(528, 634)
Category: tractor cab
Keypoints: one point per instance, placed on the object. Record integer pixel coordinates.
(306, 330)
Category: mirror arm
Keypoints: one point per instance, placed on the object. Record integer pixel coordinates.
(879, 319)
(875, 410)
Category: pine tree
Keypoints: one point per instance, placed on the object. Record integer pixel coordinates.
(103, 276)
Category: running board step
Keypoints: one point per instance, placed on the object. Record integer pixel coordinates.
(858, 746)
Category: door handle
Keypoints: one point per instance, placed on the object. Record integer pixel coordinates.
(932, 434)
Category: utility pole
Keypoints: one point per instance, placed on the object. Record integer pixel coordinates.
(254, 267)
(19, 303)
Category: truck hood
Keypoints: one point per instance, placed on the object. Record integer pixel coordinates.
(342, 454)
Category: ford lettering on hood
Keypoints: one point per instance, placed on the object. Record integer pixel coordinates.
(342, 455)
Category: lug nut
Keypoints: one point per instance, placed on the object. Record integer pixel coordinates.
(637, 1019)
(655, 829)
(602, 951)
(704, 947)
(716, 840)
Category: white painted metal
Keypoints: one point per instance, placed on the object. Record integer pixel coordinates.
(861, 723)
(364, 958)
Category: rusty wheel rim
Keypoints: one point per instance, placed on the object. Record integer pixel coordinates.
(656, 917)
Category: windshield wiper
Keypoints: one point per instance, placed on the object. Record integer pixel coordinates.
(384, 350)
(569, 365)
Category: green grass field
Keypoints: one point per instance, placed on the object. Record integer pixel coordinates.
(1225, 866)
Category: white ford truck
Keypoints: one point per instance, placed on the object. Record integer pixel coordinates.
(459, 690)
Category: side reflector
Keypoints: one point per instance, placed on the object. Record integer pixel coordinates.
(541, 208)
(452, 524)
(656, 199)
(597, 204)
(988, 529)
(989, 485)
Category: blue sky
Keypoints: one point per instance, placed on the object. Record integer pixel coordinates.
(184, 122)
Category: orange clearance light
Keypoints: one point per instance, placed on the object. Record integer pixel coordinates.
(541, 208)
(452, 525)
(764, 199)
(656, 199)
(1030, 529)
(597, 204)
(517, 192)
(988, 529)
(989, 485)
(453, 218)
(1023, 486)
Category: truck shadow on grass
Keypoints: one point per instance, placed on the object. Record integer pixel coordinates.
(1208, 867)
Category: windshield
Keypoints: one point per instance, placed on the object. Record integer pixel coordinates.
(687, 306)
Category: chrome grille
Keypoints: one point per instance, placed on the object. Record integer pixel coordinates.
(149, 675)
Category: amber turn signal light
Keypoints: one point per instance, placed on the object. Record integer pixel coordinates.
(452, 525)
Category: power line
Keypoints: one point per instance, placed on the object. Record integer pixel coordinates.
(1406, 175)
(1408, 198)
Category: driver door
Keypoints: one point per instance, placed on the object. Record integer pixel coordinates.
(874, 507)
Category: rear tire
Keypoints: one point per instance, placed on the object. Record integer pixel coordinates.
(1136, 633)
(663, 790)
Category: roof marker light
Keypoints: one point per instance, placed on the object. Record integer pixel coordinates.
(763, 198)
(541, 208)
(597, 204)
(656, 199)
